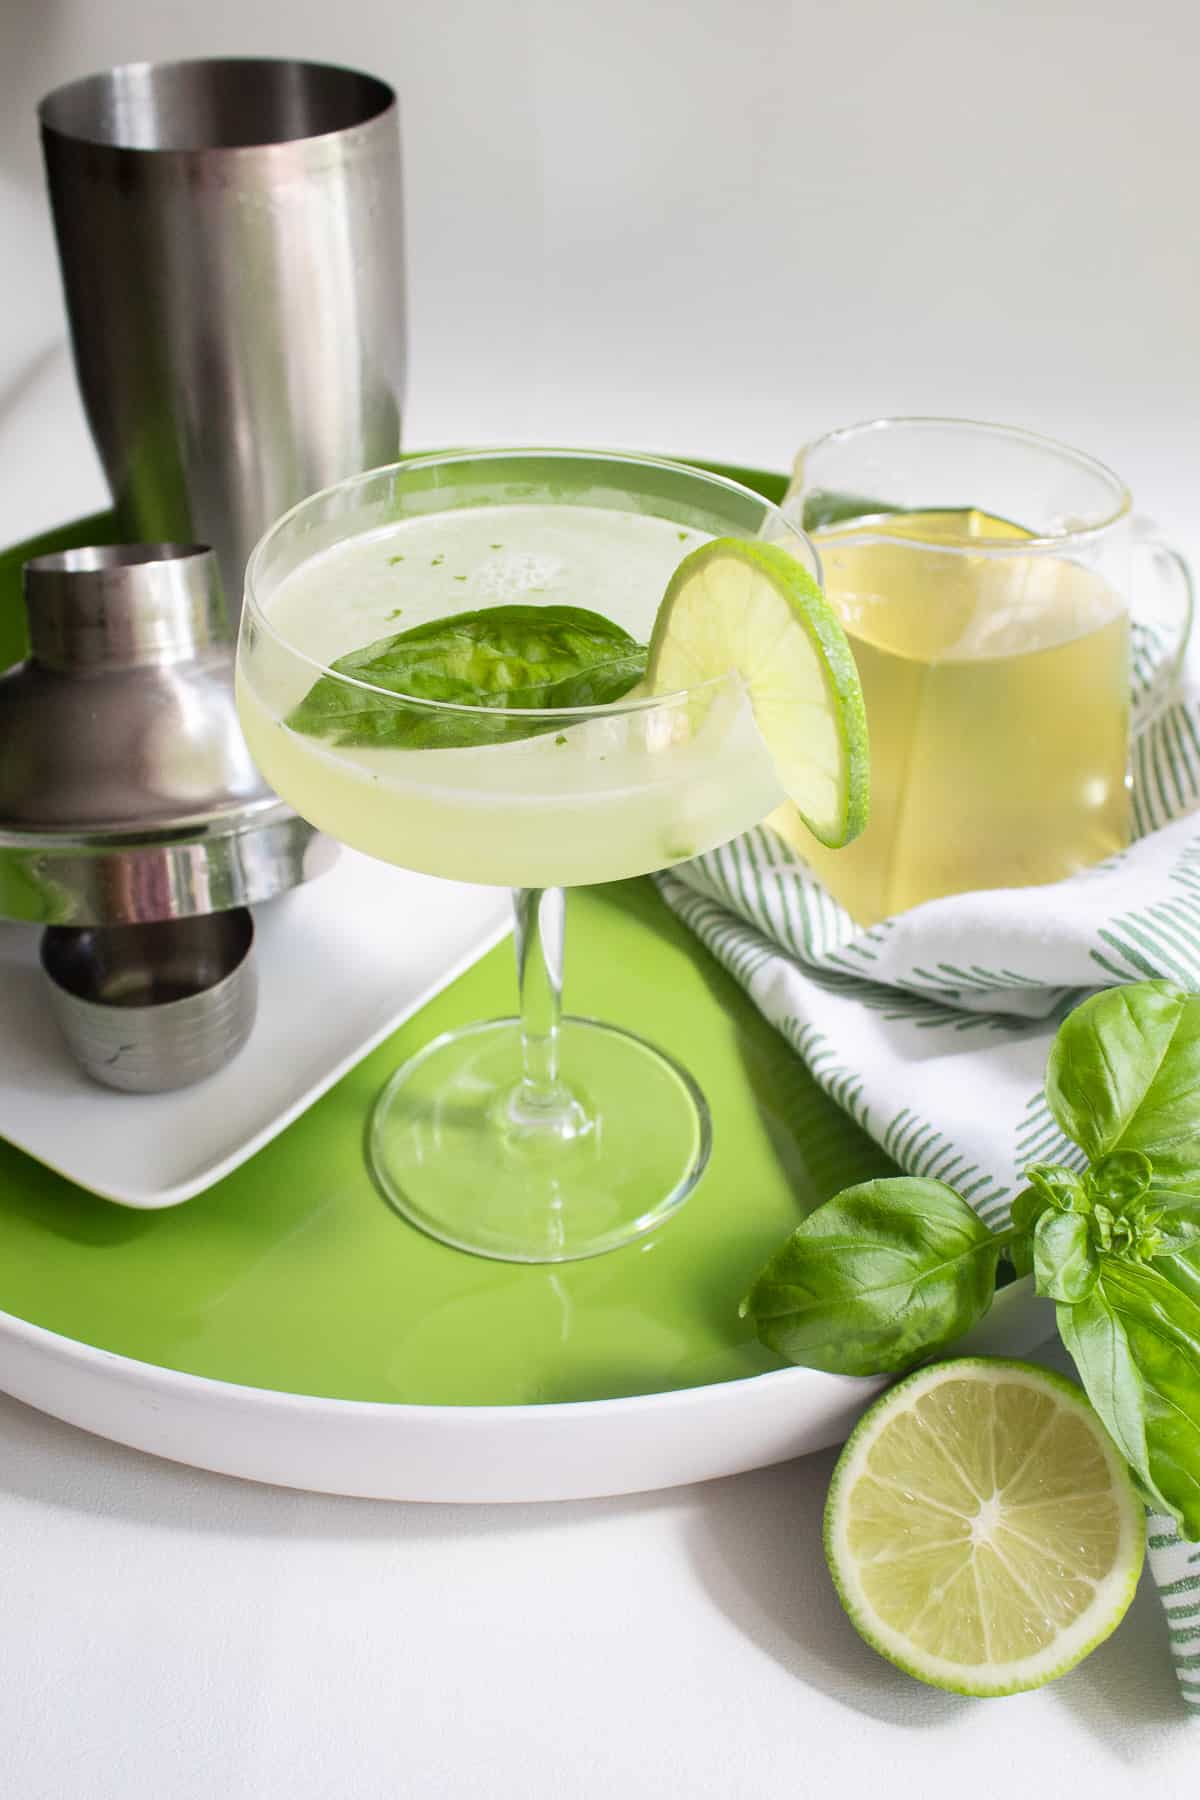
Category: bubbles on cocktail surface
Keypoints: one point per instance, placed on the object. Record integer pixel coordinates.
(407, 572)
(510, 576)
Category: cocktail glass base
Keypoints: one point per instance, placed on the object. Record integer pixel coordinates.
(456, 1149)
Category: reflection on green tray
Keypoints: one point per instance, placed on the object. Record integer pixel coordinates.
(292, 1273)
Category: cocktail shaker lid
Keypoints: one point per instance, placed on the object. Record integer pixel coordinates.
(121, 753)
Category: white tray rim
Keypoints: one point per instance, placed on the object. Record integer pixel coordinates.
(403, 1451)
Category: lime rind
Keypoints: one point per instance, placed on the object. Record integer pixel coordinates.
(738, 605)
(1069, 1645)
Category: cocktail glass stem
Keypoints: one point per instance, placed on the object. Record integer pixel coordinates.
(541, 1100)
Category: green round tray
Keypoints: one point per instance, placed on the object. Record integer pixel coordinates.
(292, 1274)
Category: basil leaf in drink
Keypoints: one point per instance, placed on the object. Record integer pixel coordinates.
(1065, 1261)
(1124, 1074)
(877, 1278)
(496, 660)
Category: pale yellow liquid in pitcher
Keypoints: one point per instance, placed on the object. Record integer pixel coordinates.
(997, 694)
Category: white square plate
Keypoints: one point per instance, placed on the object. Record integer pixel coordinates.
(342, 962)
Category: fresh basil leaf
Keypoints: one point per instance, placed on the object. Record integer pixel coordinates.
(1162, 1329)
(1065, 1262)
(1181, 1202)
(1166, 1126)
(876, 1279)
(1173, 1203)
(1182, 1269)
(1052, 1188)
(1171, 1211)
(496, 660)
(1119, 1178)
(1026, 1209)
(1146, 1227)
(1174, 1237)
(1103, 1219)
(1059, 1186)
(1100, 1349)
(1124, 1073)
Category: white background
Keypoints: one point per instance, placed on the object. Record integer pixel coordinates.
(712, 227)
(727, 225)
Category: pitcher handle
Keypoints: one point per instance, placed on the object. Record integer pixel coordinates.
(1162, 682)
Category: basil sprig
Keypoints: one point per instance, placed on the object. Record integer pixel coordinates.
(498, 660)
(863, 1286)
(888, 1274)
(1124, 1074)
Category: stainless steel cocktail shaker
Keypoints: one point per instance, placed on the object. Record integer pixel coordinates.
(230, 239)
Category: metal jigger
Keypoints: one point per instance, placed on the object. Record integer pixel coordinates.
(127, 793)
(145, 1008)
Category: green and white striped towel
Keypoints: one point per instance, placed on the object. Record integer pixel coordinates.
(1176, 1568)
(932, 1029)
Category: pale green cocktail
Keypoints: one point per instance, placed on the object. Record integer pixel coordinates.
(543, 1138)
(618, 793)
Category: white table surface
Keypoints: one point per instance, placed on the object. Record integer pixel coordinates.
(177, 1634)
(172, 1635)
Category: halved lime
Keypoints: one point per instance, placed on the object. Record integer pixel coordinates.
(750, 608)
(982, 1531)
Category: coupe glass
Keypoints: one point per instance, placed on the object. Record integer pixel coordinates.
(540, 1138)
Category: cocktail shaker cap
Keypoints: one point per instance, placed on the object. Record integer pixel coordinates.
(127, 792)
